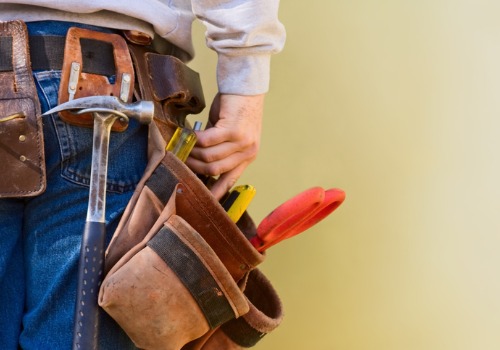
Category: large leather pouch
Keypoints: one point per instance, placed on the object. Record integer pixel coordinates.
(196, 205)
(171, 288)
(21, 135)
(154, 286)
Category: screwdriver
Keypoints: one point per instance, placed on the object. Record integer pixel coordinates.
(238, 201)
(183, 141)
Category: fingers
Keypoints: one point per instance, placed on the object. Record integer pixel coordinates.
(218, 165)
(231, 141)
(216, 143)
(216, 135)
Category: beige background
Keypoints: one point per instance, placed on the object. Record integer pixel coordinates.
(397, 103)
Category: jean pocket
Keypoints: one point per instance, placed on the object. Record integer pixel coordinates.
(127, 156)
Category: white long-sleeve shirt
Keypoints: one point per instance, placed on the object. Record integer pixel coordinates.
(244, 33)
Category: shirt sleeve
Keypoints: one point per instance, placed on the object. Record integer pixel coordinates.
(244, 33)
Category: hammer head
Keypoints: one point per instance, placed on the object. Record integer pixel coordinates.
(142, 110)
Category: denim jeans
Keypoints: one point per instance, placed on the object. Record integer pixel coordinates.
(40, 236)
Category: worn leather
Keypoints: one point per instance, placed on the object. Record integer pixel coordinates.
(198, 207)
(176, 85)
(174, 88)
(143, 91)
(171, 196)
(151, 301)
(152, 305)
(21, 135)
(265, 315)
(90, 84)
(163, 197)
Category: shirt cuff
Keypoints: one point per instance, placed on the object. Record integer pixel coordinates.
(243, 75)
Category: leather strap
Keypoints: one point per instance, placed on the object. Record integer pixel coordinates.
(47, 53)
(194, 275)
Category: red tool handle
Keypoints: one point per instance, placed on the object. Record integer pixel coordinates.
(296, 215)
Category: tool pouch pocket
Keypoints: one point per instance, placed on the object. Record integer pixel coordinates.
(265, 314)
(173, 290)
(21, 134)
(177, 264)
(196, 205)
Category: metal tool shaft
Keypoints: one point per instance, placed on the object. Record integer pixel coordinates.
(99, 170)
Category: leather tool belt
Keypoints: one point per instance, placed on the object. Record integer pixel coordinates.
(21, 135)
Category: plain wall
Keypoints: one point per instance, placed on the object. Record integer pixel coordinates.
(396, 102)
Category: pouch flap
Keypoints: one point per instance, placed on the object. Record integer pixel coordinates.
(179, 86)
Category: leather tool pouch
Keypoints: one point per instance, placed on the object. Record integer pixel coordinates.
(95, 64)
(21, 135)
(177, 266)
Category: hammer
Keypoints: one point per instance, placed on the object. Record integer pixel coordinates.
(105, 110)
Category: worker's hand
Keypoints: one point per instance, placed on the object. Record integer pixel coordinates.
(231, 140)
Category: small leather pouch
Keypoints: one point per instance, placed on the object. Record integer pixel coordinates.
(174, 88)
(21, 135)
(181, 93)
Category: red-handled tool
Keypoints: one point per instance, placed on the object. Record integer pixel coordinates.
(296, 215)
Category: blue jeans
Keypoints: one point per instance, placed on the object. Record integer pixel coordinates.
(40, 236)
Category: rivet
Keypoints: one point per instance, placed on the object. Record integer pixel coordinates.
(22, 138)
(22, 158)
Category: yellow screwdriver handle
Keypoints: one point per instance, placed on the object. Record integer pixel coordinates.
(181, 143)
(238, 201)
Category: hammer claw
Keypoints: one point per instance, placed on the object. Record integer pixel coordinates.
(140, 110)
